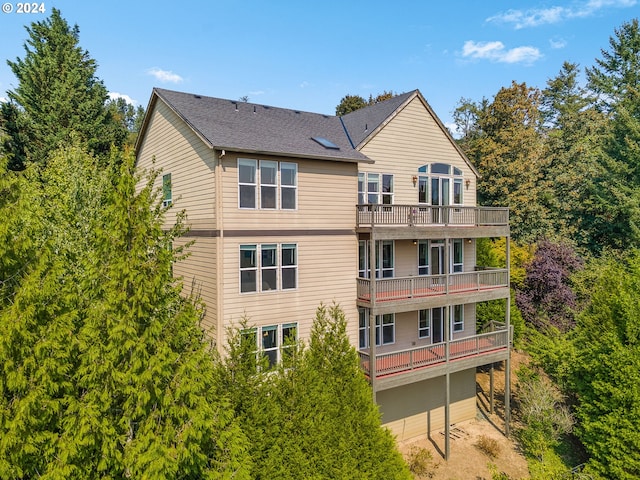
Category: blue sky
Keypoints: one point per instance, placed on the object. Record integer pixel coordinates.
(308, 54)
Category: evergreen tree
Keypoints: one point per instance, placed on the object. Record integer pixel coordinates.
(105, 370)
(615, 79)
(604, 370)
(314, 416)
(58, 95)
(574, 132)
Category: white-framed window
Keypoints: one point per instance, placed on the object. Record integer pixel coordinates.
(289, 266)
(248, 268)
(267, 267)
(384, 249)
(288, 185)
(424, 323)
(375, 188)
(247, 183)
(167, 190)
(457, 318)
(385, 328)
(457, 259)
(267, 184)
(274, 342)
(423, 257)
(440, 184)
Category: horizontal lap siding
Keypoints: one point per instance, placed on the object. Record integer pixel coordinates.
(415, 409)
(411, 139)
(198, 271)
(326, 273)
(179, 151)
(327, 195)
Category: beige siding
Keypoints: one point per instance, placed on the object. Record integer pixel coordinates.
(177, 150)
(411, 139)
(326, 197)
(418, 408)
(326, 273)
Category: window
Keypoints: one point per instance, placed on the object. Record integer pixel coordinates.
(423, 257)
(375, 188)
(269, 267)
(385, 328)
(457, 257)
(272, 177)
(289, 340)
(289, 266)
(424, 323)
(387, 260)
(274, 342)
(268, 184)
(442, 187)
(386, 248)
(457, 318)
(248, 268)
(247, 183)
(387, 189)
(167, 196)
(288, 185)
(275, 264)
(270, 344)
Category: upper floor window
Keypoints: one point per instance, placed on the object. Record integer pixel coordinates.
(375, 188)
(385, 329)
(440, 184)
(268, 267)
(167, 195)
(384, 248)
(277, 182)
(274, 342)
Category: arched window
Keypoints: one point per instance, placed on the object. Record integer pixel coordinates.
(440, 184)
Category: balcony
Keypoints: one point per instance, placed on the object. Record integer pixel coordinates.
(421, 363)
(371, 215)
(401, 289)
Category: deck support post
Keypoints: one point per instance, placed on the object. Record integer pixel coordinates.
(372, 311)
(491, 394)
(507, 362)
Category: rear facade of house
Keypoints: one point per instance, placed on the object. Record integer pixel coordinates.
(375, 210)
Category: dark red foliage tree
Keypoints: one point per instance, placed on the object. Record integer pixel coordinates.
(547, 298)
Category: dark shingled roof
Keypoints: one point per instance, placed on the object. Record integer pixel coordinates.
(363, 122)
(249, 127)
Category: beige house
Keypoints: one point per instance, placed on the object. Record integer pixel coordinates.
(289, 209)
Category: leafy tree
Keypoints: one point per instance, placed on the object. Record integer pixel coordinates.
(350, 103)
(105, 371)
(58, 95)
(510, 157)
(547, 298)
(604, 370)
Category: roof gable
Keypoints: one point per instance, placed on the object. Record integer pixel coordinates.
(253, 128)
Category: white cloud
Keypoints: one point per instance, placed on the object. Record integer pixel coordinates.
(4, 99)
(305, 84)
(165, 76)
(557, 43)
(496, 52)
(127, 98)
(257, 92)
(545, 16)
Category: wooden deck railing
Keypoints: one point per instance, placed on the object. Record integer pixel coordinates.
(369, 215)
(435, 354)
(401, 288)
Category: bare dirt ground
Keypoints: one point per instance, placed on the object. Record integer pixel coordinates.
(466, 460)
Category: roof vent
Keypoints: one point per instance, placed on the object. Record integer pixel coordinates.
(326, 143)
(197, 96)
